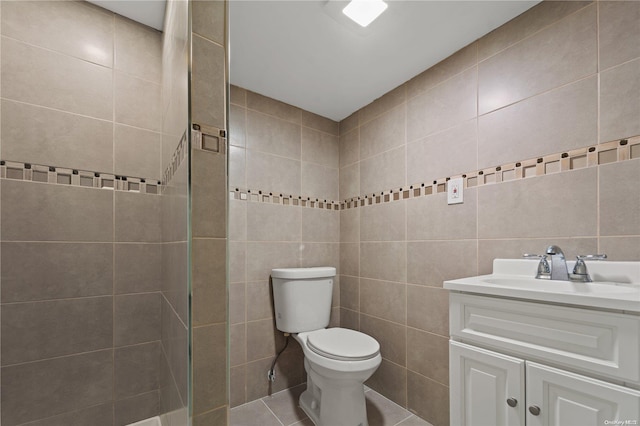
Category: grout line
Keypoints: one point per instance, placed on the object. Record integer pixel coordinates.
(272, 413)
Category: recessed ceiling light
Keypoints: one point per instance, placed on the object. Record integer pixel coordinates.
(364, 12)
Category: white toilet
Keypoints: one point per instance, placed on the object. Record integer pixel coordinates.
(337, 360)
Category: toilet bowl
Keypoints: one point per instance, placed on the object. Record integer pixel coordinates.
(337, 360)
(335, 375)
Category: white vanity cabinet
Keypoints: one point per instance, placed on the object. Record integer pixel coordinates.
(517, 363)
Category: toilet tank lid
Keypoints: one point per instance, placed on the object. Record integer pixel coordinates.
(304, 273)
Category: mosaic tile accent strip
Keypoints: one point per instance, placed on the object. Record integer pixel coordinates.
(177, 157)
(73, 177)
(614, 151)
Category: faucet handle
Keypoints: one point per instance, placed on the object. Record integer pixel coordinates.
(580, 269)
(591, 256)
(544, 270)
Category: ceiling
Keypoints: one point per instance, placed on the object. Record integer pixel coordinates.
(307, 54)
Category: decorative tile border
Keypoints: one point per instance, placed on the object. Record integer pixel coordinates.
(610, 152)
(74, 177)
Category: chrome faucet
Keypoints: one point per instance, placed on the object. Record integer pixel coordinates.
(557, 268)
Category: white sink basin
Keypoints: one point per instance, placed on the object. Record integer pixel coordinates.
(616, 286)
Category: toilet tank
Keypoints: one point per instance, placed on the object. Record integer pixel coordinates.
(302, 298)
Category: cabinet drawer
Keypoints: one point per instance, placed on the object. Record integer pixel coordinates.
(603, 343)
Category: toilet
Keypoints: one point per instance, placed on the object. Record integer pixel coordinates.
(337, 360)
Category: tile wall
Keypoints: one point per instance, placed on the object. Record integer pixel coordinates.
(81, 288)
(283, 165)
(561, 78)
(208, 241)
(174, 267)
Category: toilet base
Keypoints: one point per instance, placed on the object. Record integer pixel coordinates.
(334, 402)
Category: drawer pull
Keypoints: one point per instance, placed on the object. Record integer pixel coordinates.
(535, 410)
(512, 402)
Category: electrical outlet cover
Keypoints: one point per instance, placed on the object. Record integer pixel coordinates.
(455, 191)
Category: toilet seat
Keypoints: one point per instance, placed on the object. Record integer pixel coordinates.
(343, 344)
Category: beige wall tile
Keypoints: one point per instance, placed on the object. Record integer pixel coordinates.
(209, 367)
(391, 381)
(443, 106)
(349, 319)
(350, 122)
(383, 104)
(129, 208)
(383, 260)
(349, 181)
(271, 222)
(527, 24)
(319, 182)
(350, 292)
(619, 202)
(238, 96)
(208, 194)
(320, 148)
(72, 28)
(562, 53)
(136, 152)
(259, 301)
(391, 336)
(46, 136)
(208, 281)
(237, 261)
(383, 133)
(237, 393)
(137, 102)
(619, 106)
(445, 69)
(208, 83)
(317, 122)
(273, 107)
(559, 120)
(69, 84)
(383, 222)
(620, 248)
(350, 259)
(237, 167)
(271, 173)
(208, 19)
(237, 125)
(619, 26)
(451, 152)
(443, 222)
(320, 254)
(319, 225)
(272, 135)
(138, 50)
(428, 354)
(263, 339)
(530, 208)
(428, 309)
(237, 302)
(383, 172)
(349, 147)
(37, 212)
(433, 262)
(350, 225)
(265, 256)
(383, 299)
(428, 399)
(237, 220)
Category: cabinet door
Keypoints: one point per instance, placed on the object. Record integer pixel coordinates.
(481, 382)
(567, 399)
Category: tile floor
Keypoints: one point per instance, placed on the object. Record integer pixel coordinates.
(281, 409)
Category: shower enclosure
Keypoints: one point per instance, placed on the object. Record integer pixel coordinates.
(112, 215)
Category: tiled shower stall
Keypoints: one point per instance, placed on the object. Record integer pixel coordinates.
(100, 223)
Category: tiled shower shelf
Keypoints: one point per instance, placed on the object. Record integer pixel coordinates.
(604, 153)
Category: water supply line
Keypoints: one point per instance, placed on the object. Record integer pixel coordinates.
(271, 374)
